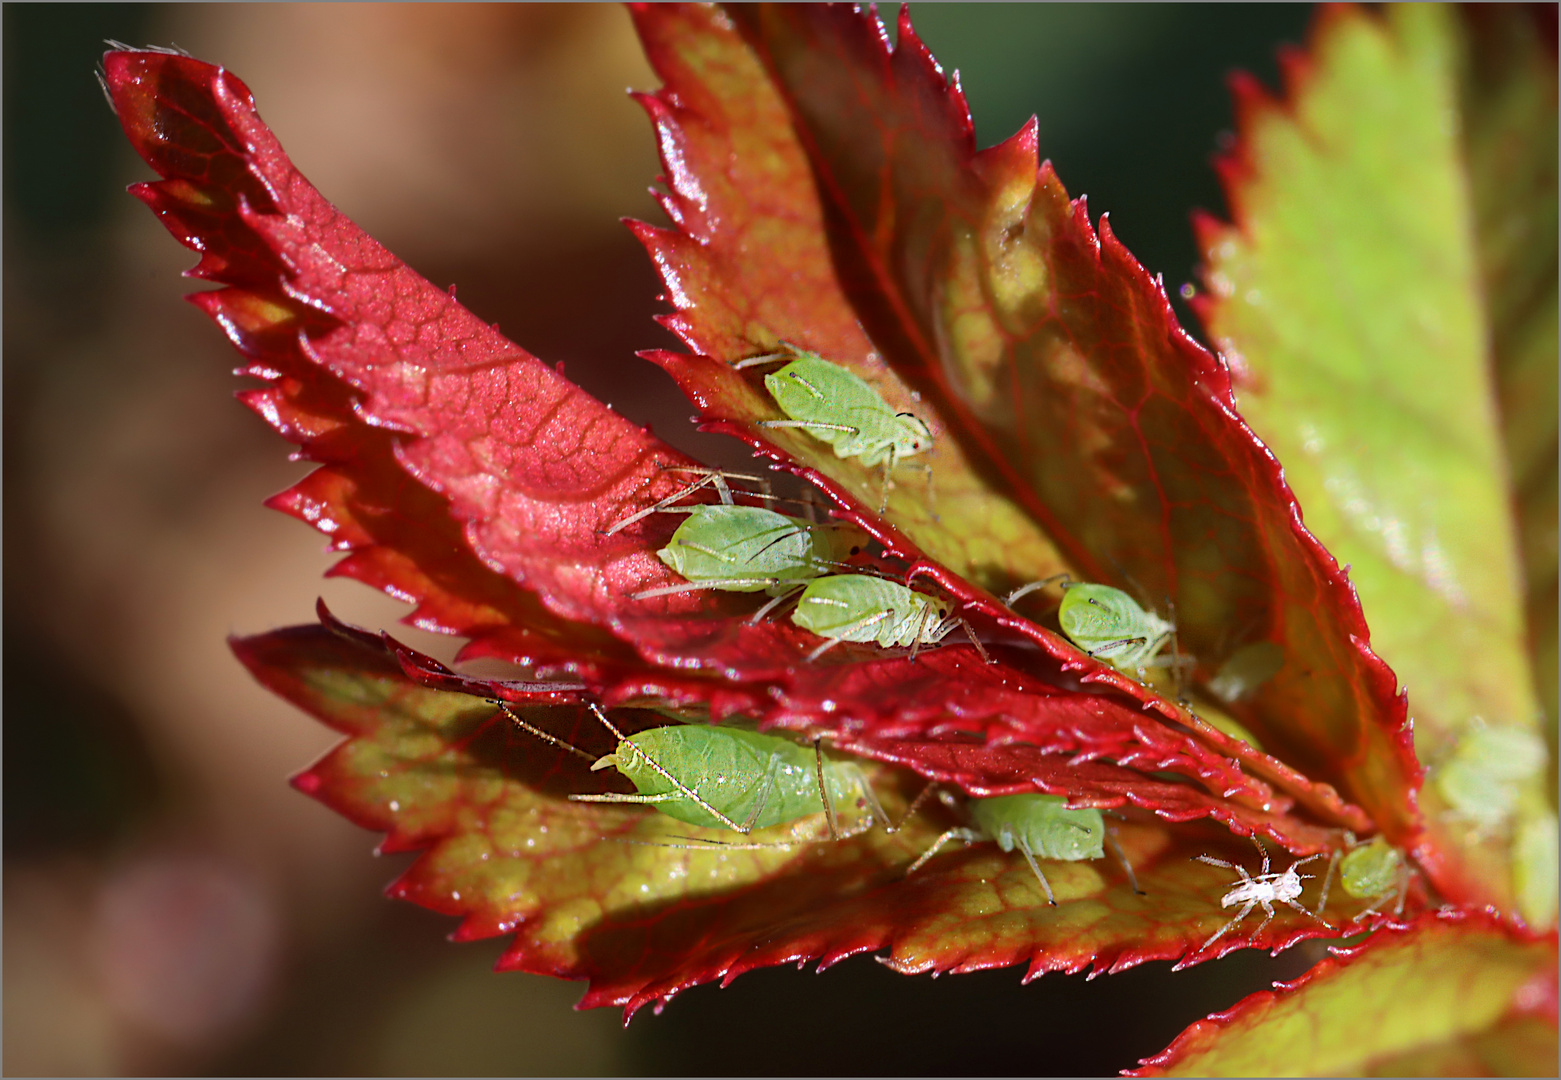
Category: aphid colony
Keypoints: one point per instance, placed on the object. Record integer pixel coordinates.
(725, 777)
(734, 548)
(741, 780)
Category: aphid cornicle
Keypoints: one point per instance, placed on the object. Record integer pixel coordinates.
(856, 607)
(728, 777)
(842, 409)
(1039, 826)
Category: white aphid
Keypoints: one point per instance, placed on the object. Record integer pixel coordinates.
(1263, 888)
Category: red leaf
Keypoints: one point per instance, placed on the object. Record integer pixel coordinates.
(458, 466)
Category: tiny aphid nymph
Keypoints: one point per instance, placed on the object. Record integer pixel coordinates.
(842, 409)
(727, 777)
(1375, 870)
(1040, 827)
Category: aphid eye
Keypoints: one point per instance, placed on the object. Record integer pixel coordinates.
(856, 549)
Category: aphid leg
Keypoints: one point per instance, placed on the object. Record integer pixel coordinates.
(823, 791)
(970, 632)
(665, 775)
(758, 616)
(1222, 931)
(969, 836)
(769, 782)
(1263, 851)
(712, 477)
(1303, 911)
(888, 482)
(1322, 901)
(697, 586)
(539, 733)
(1116, 849)
(921, 628)
(1035, 586)
(1029, 857)
(915, 805)
(860, 624)
(1268, 917)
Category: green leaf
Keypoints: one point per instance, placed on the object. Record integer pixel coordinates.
(1350, 300)
(1421, 1000)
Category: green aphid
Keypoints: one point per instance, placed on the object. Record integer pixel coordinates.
(1375, 870)
(1109, 625)
(1482, 779)
(750, 549)
(729, 777)
(1040, 826)
(842, 409)
(856, 607)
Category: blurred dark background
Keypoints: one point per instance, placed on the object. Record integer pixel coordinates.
(171, 906)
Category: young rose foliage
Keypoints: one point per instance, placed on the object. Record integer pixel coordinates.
(825, 192)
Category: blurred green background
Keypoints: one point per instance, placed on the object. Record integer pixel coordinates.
(171, 906)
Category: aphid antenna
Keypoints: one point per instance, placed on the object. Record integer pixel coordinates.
(789, 594)
(698, 586)
(1063, 579)
(823, 791)
(708, 843)
(603, 763)
(666, 503)
(788, 352)
(539, 733)
(1116, 849)
(916, 803)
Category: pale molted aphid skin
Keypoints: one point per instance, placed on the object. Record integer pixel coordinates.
(1039, 826)
(728, 777)
(1263, 888)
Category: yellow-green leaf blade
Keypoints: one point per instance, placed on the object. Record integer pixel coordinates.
(1350, 301)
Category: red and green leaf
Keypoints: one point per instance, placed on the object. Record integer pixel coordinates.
(1351, 296)
(587, 894)
(1445, 995)
(1044, 353)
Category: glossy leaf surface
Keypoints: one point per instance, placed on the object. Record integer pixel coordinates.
(1439, 997)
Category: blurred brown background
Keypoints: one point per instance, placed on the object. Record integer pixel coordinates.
(170, 904)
